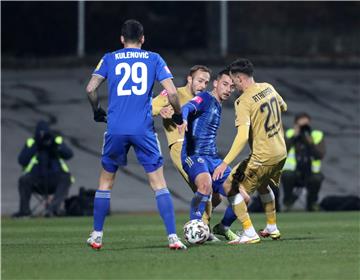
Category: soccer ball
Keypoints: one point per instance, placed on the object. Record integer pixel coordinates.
(196, 232)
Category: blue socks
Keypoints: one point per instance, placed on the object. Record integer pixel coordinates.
(166, 209)
(101, 208)
(229, 217)
(198, 205)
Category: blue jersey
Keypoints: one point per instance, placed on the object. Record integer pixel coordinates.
(203, 114)
(131, 74)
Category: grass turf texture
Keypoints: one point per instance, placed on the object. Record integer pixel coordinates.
(313, 246)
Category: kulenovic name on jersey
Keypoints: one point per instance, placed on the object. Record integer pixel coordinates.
(123, 55)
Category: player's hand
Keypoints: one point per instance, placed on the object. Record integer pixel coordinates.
(183, 127)
(100, 115)
(219, 171)
(167, 112)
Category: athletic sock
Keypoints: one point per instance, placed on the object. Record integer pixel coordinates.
(198, 204)
(206, 217)
(240, 209)
(101, 208)
(166, 209)
(229, 217)
(268, 201)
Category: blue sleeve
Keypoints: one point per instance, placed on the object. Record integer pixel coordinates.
(102, 67)
(162, 71)
(187, 109)
(194, 105)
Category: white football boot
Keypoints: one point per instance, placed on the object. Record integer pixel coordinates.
(245, 239)
(175, 243)
(95, 240)
(273, 233)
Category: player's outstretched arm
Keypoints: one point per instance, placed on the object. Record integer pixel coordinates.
(91, 89)
(237, 146)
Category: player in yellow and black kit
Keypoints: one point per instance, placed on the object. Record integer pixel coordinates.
(258, 121)
(197, 81)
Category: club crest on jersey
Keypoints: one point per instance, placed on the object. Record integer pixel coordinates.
(200, 160)
(197, 99)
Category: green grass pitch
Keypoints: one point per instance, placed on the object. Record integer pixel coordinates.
(313, 246)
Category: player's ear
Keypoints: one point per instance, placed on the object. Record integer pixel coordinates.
(189, 79)
(142, 40)
(215, 83)
(122, 39)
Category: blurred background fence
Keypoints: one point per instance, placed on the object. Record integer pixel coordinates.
(274, 31)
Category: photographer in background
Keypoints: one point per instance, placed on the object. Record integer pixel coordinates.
(44, 170)
(306, 149)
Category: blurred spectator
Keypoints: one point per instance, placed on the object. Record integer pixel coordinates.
(44, 170)
(306, 149)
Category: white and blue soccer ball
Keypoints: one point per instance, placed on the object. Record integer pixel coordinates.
(196, 232)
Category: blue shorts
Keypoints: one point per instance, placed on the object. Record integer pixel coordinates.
(194, 165)
(116, 147)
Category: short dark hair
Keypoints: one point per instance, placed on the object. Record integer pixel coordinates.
(199, 67)
(242, 65)
(301, 115)
(132, 30)
(225, 71)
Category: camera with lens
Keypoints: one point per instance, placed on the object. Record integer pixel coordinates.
(46, 140)
(305, 130)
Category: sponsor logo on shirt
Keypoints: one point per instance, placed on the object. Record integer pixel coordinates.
(197, 99)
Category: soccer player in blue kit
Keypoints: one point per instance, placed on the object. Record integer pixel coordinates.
(131, 73)
(202, 116)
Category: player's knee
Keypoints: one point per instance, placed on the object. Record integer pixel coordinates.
(204, 187)
(106, 180)
(245, 195)
(157, 179)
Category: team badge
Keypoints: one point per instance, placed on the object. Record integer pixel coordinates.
(200, 160)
